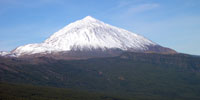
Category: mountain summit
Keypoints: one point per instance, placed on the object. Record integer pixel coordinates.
(90, 34)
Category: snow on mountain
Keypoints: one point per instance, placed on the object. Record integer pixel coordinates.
(88, 34)
(2, 53)
(7, 54)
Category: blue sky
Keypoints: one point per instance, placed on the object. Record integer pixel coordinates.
(170, 23)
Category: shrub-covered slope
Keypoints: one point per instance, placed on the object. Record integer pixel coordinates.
(10, 91)
(143, 76)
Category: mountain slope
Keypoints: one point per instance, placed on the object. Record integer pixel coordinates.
(90, 34)
(145, 76)
(10, 91)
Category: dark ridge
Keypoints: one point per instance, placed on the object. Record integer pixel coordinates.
(144, 76)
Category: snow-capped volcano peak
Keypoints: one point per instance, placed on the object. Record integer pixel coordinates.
(89, 18)
(92, 33)
(88, 34)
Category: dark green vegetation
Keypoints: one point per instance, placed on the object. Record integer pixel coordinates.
(29, 92)
(142, 76)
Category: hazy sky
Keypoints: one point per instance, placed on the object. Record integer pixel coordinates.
(170, 23)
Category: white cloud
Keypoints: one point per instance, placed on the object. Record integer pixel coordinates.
(127, 10)
(123, 4)
(141, 8)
